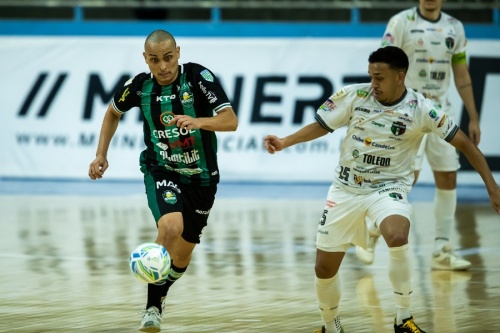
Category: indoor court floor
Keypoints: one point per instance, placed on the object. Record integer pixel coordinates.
(64, 251)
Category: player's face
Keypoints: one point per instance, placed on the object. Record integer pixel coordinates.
(431, 5)
(388, 84)
(163, 61)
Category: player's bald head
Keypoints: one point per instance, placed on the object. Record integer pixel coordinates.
(159, 36)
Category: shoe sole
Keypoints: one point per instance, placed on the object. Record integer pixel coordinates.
(150, 329)
(447, 268)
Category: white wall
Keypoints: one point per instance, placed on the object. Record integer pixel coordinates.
(50, 145)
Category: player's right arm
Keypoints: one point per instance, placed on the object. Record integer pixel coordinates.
(445, 127)
(332, 114)
(307, 133)
(478, 161)
(463, 81)
(108, 129)
(124, 99)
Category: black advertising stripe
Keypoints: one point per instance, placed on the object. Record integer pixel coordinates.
(52, 95)
(31, 96)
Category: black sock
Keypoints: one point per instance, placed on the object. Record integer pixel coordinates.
(174, 274)
(154, 296)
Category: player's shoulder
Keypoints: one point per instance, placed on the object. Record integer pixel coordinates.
(406, 15)
(445, 17)
(416, 100)
(198, 70)
(410, 93)
(134, 83)
(128, 94)
(361, 90)
(191, 66)
(366, 87)
(138, 79)
(413, 95)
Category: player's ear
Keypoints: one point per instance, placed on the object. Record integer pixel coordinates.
(144, 55)
(178, 52)
(401, 77)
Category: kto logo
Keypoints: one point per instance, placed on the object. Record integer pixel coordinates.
(164, 98)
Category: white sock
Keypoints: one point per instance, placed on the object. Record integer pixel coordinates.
(328, 293)
(445, 204)
(400, 276)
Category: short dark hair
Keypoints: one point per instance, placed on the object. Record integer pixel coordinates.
(391, 55)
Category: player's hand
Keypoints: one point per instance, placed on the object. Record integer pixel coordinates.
(495, 200)
(474, 132)
(97, 167)
(182, 120)
(273, 144)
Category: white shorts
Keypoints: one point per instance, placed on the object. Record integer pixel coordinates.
(441, 155)
(343, 223)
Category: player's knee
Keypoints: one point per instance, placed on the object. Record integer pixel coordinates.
(169, 228)
(396, 238)
(446, 180)
(324, 271)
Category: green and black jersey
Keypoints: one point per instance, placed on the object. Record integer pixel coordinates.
(189, 155)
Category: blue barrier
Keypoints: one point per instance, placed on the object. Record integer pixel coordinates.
(216, 29)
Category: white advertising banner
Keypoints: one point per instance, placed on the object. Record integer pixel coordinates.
(55, 90)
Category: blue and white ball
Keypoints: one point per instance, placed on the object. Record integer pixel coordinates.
(150, 263)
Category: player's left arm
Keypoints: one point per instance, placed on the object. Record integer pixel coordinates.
(224, 121)
(463, 84)
(215, 101)
(478, 161)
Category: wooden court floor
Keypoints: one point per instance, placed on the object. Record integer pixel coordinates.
(64, 269)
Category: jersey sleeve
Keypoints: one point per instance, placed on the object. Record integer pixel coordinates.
(394, 31)
(335, 111)
(435, 120)
(128, 96)
(460, 46)
(210, 87)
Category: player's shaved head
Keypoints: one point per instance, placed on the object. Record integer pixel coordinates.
(162, 56)
(159, 36)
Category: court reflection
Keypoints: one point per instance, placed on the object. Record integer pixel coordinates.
(446, 288)
(368, 298)
(65, 263)
(251, 239)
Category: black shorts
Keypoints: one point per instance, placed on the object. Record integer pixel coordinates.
(167, 195)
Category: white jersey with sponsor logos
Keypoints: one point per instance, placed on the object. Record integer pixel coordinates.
(430, 46)
(381, 141)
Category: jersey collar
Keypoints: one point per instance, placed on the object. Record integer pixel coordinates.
(426, 19)
(396, 101)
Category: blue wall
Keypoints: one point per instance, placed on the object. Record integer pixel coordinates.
(218, 28)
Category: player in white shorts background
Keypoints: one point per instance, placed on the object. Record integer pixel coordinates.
(435, 44)
(385, 126)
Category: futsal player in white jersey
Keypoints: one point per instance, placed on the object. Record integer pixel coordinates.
(385, 125)
(435, 44)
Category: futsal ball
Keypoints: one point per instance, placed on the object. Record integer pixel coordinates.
(150, 262)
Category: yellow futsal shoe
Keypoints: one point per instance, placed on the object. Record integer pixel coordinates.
(408, 326)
